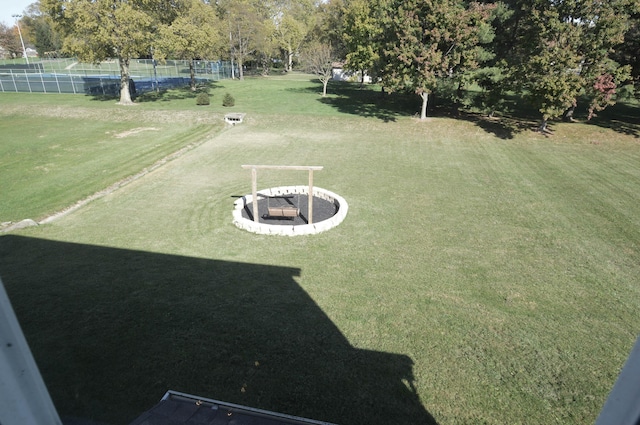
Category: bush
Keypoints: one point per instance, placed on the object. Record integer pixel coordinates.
(228, 100)
(202, 98)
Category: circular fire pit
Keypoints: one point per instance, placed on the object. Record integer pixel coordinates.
(276, 214)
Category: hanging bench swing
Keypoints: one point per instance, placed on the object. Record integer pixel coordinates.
(287, 211)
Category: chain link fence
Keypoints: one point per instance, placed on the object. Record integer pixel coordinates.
(67, 75)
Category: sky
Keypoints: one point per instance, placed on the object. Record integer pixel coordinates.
(12, 7)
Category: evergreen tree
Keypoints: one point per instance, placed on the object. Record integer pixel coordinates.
(40, 30)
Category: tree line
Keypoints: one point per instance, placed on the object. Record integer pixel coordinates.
(551, 53)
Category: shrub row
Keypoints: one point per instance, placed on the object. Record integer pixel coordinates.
(203, 99)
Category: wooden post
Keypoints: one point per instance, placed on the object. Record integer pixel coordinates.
(254, 194)
(254, 184)
(310, 203)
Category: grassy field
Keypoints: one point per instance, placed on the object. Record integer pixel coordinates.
(52, 156)
(485, 274)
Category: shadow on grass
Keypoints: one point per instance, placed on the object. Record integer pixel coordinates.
(167, 95)
(113, 329)
(503, 127)
(519, 116)
(350, 98)
(623, 117)
(368, 101)
(162, 95)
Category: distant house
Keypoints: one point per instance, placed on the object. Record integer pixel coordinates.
(5, 54)
(340, 74)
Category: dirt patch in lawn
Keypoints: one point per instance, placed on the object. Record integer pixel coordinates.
(128, 133)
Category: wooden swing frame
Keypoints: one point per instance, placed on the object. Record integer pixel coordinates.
(281, 211)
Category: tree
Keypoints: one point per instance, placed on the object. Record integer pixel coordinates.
(604, 89)
(96, 30)
(471, 53)
(318, 59)
(628, 52)
(555, 51)
(293, 20)
(194, 34)
(550, 77)
(10, 40)
(361, 36)
(40, 27)
(492, 80)
(245, 24)
(427, 41)
(328, 26)
(291, 34)
(266, 46)
(604, 28)
(493, 76)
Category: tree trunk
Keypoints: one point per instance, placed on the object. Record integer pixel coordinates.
(240, 54)
(324, 86)
(568, 114)
(265, 65)
(289, 59)
(240, 62)
(125, 93)
(192, 72)
(425, 99)
(543, 125)
(457, 103)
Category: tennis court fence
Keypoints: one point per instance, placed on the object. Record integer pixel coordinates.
(70, 76)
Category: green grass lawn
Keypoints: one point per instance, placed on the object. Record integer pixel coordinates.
(478, 278)
(58, 149)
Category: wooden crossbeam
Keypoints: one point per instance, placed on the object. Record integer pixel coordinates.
(284, 167)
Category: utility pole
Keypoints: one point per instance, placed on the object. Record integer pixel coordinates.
(233, 74)
(24, 51)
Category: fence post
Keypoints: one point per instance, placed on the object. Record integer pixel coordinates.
(57, 82)
(28, 82)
